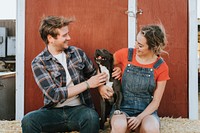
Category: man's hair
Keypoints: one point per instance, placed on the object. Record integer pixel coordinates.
(156, 37)
(50, 24)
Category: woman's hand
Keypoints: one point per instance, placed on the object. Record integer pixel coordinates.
(97, 80)
(117, 73)
(106, 92)
(133, 122)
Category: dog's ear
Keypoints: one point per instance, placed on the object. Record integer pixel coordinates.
(96, 53)
(109, 55)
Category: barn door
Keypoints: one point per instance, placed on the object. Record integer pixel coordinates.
(173, 15)
(99, 24)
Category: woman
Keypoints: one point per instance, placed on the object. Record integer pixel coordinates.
(145, 75)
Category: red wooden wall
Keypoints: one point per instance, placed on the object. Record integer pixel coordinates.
(173, 15)
(99, 24)
(103, 24)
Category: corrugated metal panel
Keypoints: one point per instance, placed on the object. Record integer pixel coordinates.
(7, 95)
(3, 35)
(10, 25)
(11, 42)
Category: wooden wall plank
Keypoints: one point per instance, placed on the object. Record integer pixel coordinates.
(103, 24)
(173, 14)
(99, 24)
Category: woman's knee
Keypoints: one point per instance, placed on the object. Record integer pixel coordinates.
(149, 129)
(150, 125)
(119, 124)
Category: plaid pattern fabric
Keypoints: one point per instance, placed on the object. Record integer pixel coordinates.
(50, 75)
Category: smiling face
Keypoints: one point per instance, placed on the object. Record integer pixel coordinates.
(63, 37)
(60, 42)
(141, 46)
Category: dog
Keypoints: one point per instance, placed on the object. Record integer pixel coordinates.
(104, 60)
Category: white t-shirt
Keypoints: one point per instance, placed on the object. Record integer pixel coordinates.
(73, 101)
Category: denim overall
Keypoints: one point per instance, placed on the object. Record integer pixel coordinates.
(138, 86)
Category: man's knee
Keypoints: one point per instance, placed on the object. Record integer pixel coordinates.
(26, 119)
(29, 121)
(92, 116)
(89, 121)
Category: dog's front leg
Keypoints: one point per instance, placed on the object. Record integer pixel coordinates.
(117, 89)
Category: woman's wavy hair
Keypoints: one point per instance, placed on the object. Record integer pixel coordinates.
(156, 37)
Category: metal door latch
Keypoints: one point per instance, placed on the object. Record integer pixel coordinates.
(132, 14)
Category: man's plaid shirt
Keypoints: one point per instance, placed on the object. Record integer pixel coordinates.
(50, 75)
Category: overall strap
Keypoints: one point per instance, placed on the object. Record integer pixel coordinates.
(130, 54)
(158, 63)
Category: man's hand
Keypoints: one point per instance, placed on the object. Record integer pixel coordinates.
(97, 80)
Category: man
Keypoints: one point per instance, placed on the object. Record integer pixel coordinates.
(64, 74)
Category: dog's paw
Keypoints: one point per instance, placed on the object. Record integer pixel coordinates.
(117, 112)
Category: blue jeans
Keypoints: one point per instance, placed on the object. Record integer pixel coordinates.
(65, 119)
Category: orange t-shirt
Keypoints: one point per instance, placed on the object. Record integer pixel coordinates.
(160, 74)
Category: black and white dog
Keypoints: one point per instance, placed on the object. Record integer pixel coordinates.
(104, 60)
